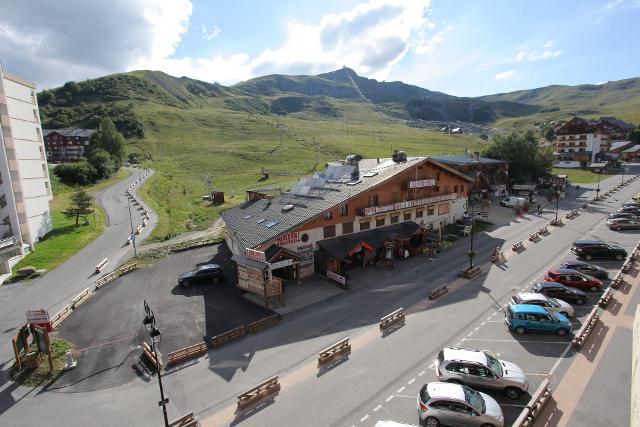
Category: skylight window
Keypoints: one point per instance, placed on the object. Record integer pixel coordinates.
(261, 220)
(272, 223)
(248, 216)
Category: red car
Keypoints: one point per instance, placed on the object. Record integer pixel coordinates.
(573, 278)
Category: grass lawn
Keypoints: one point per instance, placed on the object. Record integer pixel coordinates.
(580, 176)
(66, 238)
(40, 376)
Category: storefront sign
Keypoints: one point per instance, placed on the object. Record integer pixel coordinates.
(274, 287)
(443, 209)
(280, 264)
(37, 316)
(250, 280)
(336, 277)
(408, 204)
(288, 239)
(528, 187)
(306, 255)
(422, 183)
(255, 255)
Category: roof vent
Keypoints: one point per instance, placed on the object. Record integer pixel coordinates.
(399, 156)
(287, 208)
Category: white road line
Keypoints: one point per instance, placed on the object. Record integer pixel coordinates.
(411, 381)
(377, 408)
(494, 313)
(363, 419)
(515, 341)
(489, 318)
(469, 334)
(560, 359)
(388, 399)
(401, 389)
(477, 327)
(495, 321)
(421, 373)
(483, 323)
(405, 396)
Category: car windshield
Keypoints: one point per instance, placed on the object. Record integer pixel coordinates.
(474, 399)
(493, 363)
(554, 302)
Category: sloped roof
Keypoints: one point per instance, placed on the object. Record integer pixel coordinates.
(71, 132)
(632, 149)
(257, 221)
(619, 144)
(465, 160)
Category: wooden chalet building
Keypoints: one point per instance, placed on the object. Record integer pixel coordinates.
(64, 145)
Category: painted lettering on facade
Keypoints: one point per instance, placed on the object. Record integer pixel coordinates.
(288, 239)
(422, 183)
(373, 210)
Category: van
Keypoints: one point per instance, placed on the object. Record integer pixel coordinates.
(514, 202)
(522, 318)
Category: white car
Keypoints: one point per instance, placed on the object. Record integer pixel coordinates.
(550, 303)
(513, 202)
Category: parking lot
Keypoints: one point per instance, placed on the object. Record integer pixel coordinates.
(538, 354)
(107, 330)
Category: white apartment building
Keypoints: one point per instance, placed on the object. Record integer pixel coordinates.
(25, 189)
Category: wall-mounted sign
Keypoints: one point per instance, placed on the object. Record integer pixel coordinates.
(274, 287)
(306, 255)
(250, 280)
(422, 183)
(280, 264)
(255, 255)
(288, 239)
(334, 276)
(443, 209)
(408, 204)
(37, 316)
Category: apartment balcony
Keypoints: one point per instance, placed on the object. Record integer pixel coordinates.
(5, 121)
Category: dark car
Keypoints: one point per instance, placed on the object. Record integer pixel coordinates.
(573, 278)
(586, 268)
(628, 215)
(560, 291)
(202, 273)
(589, 249)
(629, 209)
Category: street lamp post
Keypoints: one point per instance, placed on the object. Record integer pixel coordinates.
(133, 234)
(557, 196)
(471, 253)
(149, 323)
(598, 189)
(622, 182)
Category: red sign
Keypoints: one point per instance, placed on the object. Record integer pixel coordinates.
(408, 204)
(422, 183)
(255, 255)
(288, 239)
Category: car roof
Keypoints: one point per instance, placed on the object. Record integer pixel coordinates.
(203, 266)
(574, 262)
(548, 284)
(528, 308)
(441, 390)
(588, 242)
(466, 355)
(531, 296)
(563, 271)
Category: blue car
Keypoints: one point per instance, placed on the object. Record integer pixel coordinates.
(522, 318)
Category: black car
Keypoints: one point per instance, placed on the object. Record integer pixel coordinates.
(586, 268)
(629, 209)
(589, 249)
(628, 215)
(202, 273)
(560, 291)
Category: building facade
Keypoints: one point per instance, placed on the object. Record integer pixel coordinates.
(25, 189)
(64, 145)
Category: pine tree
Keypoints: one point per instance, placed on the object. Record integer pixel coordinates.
(108, 139)
(80, 205)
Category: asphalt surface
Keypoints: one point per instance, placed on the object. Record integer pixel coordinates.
(107, 330)
(381, 377)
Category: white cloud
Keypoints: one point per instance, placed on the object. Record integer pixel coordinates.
(613, 4)
(536, 55)
(215, 31)
(548, 44)
(505, 74)
(428, 47)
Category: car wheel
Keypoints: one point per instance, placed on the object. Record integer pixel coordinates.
(488, 425)
(619, 257)
(588, 257)
(520, 330)
(618, 228)
(432, 422)
(594, 289)
(512, 392)
(561, 332)
(579, 301)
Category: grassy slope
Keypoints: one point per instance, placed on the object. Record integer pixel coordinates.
(232, 146)
(66, 239)
(579, 176)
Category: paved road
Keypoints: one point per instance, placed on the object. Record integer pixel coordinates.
(356, 392)
(55, 289)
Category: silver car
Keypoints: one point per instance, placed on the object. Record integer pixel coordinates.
(481, 369)
(623, 224)
(457, 405)
(550, 303)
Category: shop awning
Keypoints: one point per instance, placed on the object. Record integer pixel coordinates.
(241, 259)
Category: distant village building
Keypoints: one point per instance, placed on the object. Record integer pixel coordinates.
(488, 174)
(64, 145)
(355, 213)
(580, 142)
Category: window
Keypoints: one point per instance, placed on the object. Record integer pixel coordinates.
(455, 188)
(344, 210)
(373, 200)
(3, 201)
(327, 215)
(329, 231)
(365, 225)
(431, 211)
(304, 237)
(419, 213)
(406, 216)
(436, 188)
(446, 189)
(395, 218)
(347, 227)
(380, 221)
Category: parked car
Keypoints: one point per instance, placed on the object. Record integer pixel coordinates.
(629, 215)
(202, 273)
(632, 203)
(522, 318)
(457, 405)
(629, 209)
(573, 278)
(481, 369)
(558, 290)
(586, 268)
(550, 303)
(589, 249)
(514, 202)
(623, 224)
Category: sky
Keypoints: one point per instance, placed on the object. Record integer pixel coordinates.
(462, 47)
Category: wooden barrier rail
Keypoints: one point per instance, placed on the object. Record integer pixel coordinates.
(258, 393)
(80, 298)
(534, 407)
(543, 230)
(148, 353)
(106, 279)
(392, 319)
(470, 272)
(228, 336)
(127, 268)
(586, 329)
(60, 316)
(188, 420)
(101, 265)
(626, 267)
(331, 353)
(440, 290)
(194, 244)
(617, 280)
(518, 246)
(556, 222)
(534, 236)
(498, 257)
(139, 229)
(604, 300)
(253, 327)
(186, 353)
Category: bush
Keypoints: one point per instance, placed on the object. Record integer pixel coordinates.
(79, 173)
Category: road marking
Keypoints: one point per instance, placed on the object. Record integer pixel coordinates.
(421, 373)
(495, 321)
(405, 396)
(432, 365)
(560, 359)
(494, 313)
(411, 381)
(377, 408)
(514, 405)
(483, 323)
(388, 399)
(489, 318)
(515, 341)
(363, 419)
(470, 333)
(401, 389)
(477, 327)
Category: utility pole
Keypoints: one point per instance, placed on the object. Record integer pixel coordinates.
(471, 244)
(133, 235)
(598, 189)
